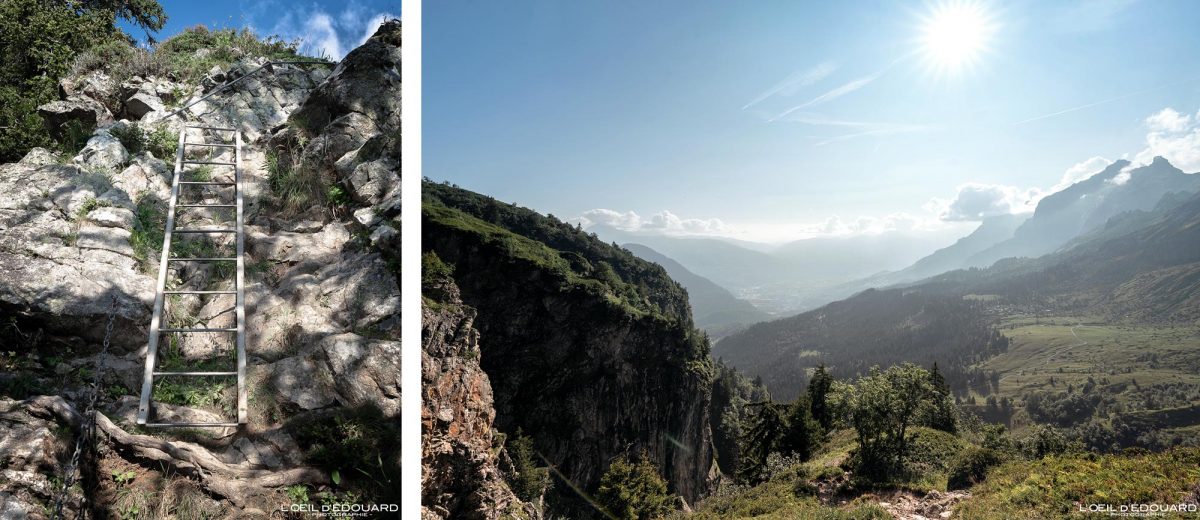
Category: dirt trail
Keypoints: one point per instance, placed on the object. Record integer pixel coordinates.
(906, 505)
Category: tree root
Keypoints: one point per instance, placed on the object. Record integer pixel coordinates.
(232, 482)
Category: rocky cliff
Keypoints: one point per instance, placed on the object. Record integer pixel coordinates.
(323, 311)
(461, 459)
(589, 350)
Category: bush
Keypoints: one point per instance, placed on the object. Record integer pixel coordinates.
(433, 270)
(971, 467)
(360, 446)
(634, 491)
(162, 143)
(132, 137)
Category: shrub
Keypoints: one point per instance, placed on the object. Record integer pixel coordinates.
(634, 491)
(162, 143)
(132, 137)
(359, 445)
(971, 467)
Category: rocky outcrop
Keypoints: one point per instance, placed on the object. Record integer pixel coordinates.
(588, 377)
(85, 111)
(461, 475)
(323, 311)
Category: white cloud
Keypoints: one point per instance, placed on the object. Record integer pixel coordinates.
(1175, 137)
(373, 25)
(866, 225)
(663, 222)
(1168, 120)
(976, 201)
(321, 32)
(1080, 171)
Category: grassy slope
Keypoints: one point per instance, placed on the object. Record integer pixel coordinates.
(792, 492)
(1047, 488)
(1052, 487)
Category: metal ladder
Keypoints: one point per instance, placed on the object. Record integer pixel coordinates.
(156, 323)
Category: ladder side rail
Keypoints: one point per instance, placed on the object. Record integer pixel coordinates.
(156, 317)
(240, 287)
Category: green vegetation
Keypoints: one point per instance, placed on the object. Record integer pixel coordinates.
(360, 445)
(201, 392)
(161, 142)
(575, 274)
(146, 238)
(337, 196)
(528, 481)
(881, 408)
(729, 412)
(1111, 385)
(296, 190)
(606, 270)
(41, 39)
(634, 491)
(1052, 487)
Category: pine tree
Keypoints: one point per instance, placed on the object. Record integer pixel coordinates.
(803, 432)
(818, 394)
(630, 491)
(767, 428)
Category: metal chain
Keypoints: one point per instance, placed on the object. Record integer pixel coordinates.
(87, 430)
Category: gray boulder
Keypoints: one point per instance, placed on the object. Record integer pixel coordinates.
(87, 111)
(104, 153)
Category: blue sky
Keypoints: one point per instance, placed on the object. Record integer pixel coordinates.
(329, 27)
(775, 120)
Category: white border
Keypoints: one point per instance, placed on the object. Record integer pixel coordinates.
(410, 254)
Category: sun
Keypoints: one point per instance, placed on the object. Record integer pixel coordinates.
(955, 34)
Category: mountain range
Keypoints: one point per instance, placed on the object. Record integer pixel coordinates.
(1121, 249)
(790, 277)
(714, 308)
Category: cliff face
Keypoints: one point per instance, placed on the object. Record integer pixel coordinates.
(462, 476)
(322, 299)
(590, 351)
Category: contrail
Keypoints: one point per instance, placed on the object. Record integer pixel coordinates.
(1102, 102)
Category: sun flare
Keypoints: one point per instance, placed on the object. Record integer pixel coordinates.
(955, 34)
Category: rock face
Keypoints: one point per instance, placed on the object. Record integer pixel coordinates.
(461, 475)
(589, 369)
(323, 308)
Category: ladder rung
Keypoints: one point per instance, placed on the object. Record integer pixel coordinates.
(192, 425)
(208, 183)
(199, 292)
(212, 128)
(197, 330)
(198, 259)
(219, 163)
(206, 205)
(196, 374)
(205, 230)
(214, 145)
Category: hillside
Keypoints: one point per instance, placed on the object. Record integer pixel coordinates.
(1138, 272)
(715, 309)
(1020, 485)
(591, 347)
